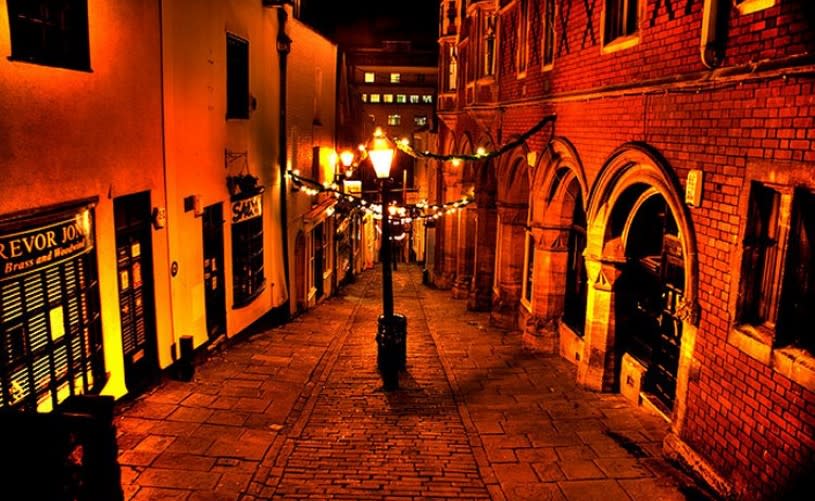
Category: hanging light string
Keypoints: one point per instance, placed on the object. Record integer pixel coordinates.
(481, 153)
(403, 214)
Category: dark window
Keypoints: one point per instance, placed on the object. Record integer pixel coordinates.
(621, 19)
(490, 23)
(247, 250)
(237, 77)
(574, 308)
(523, 34)
(50, 32)
(758, 271)
(530, 266)
(797, 311)
(548, 32)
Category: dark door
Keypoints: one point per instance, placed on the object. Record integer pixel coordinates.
(214, 291)
(318, 259)
(135, 271)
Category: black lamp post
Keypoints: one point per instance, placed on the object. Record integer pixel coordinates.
(391, 328)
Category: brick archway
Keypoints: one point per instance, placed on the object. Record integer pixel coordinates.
(513, 215)
(631, 176)
(553, 316)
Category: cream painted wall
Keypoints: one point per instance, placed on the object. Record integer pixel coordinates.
(197, 135)
(68, 135)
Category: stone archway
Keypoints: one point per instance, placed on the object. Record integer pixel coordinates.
(513, 203)
(553, 319)
(634, 190)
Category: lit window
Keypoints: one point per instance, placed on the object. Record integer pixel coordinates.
(50, 33)
(394, 119)
(489, 46)
(401, 98)
(388, 98)
(452, 67)
(374, 98)
(237, 77)
(621, 19)
(369, 77)
(247, 250)
(420, 120)
(395, 77)
(427, 99)
(548, 32)
(414, 99)
(365, 98)
(523, 34)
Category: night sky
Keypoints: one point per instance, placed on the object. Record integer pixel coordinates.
(364, 22)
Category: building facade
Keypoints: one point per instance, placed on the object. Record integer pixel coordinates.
(654, 228)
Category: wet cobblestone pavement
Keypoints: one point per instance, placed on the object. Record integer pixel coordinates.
(297, 412)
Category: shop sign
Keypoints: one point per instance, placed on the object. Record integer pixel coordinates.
(45, 245)
(246, 209)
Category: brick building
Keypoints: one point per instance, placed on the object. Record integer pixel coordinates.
(658, 231)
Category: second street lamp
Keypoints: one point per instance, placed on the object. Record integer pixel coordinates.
(391, 328)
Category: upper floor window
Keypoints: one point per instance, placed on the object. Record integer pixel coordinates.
(777, 288)
(50, 32)
(394, 119)
(401, 98)
(523, 34)
(548, 32)
(374, 98)
(452, 67)
(620, 19)
(414, 99)
(396, 77)
(387, 98)
(427, 99)
(369, 77)
(490, 24)
(237, 77)
(364, 98)
(420, 120)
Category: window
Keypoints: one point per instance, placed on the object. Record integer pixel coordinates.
(420, 120)
(394, 119)
(489, 46)
(414, 99)
(401, 98)
(574, 305)
(369, 77)
(750, 6)
(387, 98)
(50, 32)
(523, 34)
(529, 271)
(452, 67)
(374, 98)
(548, 32)
(777, 288)
(247, 250)
(237, 77)
(364, 98)
(427, 99)
(396, 77)
(620, 19)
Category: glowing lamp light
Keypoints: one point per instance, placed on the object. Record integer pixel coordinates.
(347, 158)
(456, 162)
(481, 152)
(381, 153)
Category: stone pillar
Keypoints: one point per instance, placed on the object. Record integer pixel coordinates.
(480, 297)
(466, 252)
(507, 293)
(445, 273)
(548, 288)
(597, 365)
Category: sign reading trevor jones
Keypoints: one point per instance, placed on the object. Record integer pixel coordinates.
(44, 245)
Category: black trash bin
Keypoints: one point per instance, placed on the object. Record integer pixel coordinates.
(391, 353)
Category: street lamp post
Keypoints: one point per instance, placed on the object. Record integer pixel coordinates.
(391, 328)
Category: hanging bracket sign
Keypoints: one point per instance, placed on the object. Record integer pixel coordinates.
(46, 245)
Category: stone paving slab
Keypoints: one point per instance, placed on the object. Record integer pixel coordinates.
(298, 412)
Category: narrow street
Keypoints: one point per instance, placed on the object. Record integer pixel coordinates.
(297, 412)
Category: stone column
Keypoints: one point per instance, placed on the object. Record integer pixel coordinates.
(447, 227)
(466, 252)
(507, 293)
(480, 297)
(548, 288)
(597, 366)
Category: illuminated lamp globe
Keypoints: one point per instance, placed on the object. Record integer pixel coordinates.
(381, 154)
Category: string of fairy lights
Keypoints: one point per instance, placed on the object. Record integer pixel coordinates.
(422, 210)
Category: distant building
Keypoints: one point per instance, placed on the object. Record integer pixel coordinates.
(658, 233)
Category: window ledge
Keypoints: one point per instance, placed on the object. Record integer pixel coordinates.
(754, 341)
(751, 6)
(621, 43)
(796, 364)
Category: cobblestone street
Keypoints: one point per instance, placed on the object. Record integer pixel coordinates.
(297, 412)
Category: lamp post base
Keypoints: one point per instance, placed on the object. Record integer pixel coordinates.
(391, 349)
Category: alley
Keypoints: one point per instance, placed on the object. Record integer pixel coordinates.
(297, 412)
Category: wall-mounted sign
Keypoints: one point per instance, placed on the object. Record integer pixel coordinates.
(53, 243)
(246, 209)
(693, 188)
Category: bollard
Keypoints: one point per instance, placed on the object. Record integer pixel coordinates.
(184, 366)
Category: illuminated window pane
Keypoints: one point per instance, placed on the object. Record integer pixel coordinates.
(394, 119)
(427, 99)
(420, 120)
(388, 98)
(395, 77)
(369, 77)
(374, 98)
(414, 99)
(365, 98)
(401, 98)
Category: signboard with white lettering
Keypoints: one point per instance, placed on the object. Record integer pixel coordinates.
(246, 209)
(51, 244)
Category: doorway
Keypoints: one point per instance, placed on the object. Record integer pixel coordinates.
(134, 265)
(214, 290)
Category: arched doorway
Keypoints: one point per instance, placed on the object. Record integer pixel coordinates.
(641, 262)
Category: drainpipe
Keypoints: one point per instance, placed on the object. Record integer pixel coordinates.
(283, 49)
(715, 17)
